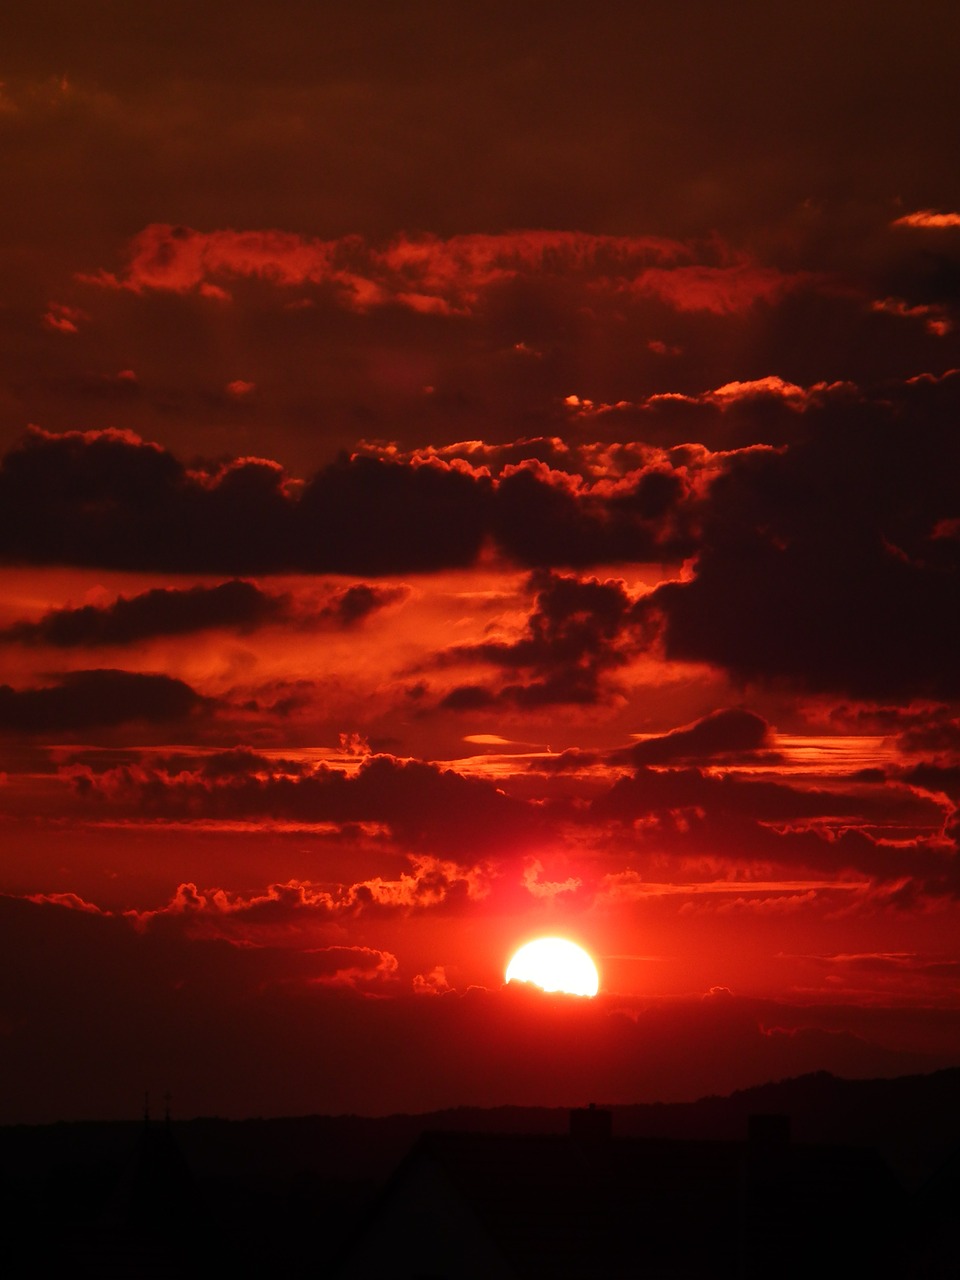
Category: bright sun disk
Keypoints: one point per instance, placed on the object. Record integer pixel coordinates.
(554, 964)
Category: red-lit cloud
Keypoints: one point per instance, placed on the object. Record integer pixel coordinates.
(62, 318)
(723, 290)
(488, 477)
(928, 218)
(426, 274)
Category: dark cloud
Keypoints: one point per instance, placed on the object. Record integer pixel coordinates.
(938, 735)
(420, 339)
(580, 630)
(108, 499)
(168, 611)
(468, 697)
(893, 832)
(540, 522)
(351, 605)
(370, 515)
(889, 962)
(827, 564)
(765, 409)
(730, 734)
(830, 561)
(653, 790)
(935, 778)
(82, 700)
(163, 611)
(671, 823)
(238, 762)
(422, 804)
(694, 844)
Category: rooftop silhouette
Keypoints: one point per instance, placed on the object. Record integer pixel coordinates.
(589, 1204)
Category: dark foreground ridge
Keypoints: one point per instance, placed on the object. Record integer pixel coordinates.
(869, 1169)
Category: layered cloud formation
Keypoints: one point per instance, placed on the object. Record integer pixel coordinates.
(466, 476)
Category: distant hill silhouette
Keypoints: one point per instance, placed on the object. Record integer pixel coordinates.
(913, 1121)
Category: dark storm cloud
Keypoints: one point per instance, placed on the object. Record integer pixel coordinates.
(729, 734)
(540, 522)
(213, 767)
(899, 831)
(938, 736)
(935, 778)
(421, 803)
(108, 499)
(580, 630)
(352, 605)
(537, 515)
(367, 515)
(160, 612)
(170, 611)
(671, 823)
(834, 564)
(651, 791)
(84, 700)
(693, 843)
(830, 562)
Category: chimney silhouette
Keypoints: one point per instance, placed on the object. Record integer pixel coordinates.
(591, 1124)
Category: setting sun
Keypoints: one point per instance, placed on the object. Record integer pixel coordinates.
(555, 965)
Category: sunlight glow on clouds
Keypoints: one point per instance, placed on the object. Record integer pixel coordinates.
(489, 479)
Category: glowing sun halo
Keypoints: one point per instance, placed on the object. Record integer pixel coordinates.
(555, 965)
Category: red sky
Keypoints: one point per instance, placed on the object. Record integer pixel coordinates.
(467, 476)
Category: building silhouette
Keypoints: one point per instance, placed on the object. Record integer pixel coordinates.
(468, 1206)
(149, 1224)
